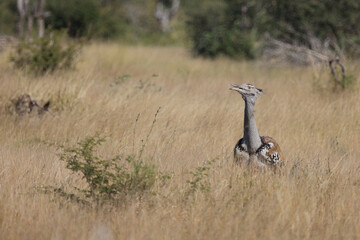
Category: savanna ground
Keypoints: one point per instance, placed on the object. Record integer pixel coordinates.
(316, 196)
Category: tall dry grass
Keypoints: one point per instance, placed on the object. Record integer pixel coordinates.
(317, 196)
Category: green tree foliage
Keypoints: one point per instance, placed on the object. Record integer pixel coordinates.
(8, 16)
(104, 18)
(110, 24)
(220, 30)
(294, 22)
(77, 16)
(229, 27)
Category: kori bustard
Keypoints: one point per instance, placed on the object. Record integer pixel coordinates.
(253, 149)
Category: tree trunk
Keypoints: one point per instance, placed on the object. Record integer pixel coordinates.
(27, 13)
(40, 14)
(22, 6)
(41, 26)
(164, 14)
(30, 24)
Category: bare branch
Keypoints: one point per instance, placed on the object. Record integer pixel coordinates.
(286, 52)
(174, 7)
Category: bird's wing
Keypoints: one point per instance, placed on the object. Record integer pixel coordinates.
(240, 145)
(270, 151)
(240, 152)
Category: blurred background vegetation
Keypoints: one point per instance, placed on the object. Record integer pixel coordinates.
(235, 28)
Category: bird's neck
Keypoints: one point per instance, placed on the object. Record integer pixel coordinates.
(251, 134)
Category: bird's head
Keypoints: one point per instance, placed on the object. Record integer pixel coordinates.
(247, 91)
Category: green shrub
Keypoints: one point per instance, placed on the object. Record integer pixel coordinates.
(206, 32)
(109, 24)
(239, 44)
(78, 17)
(348, 81)
(213, 33)
(45, 55)
(108, 179)
(8, 17)
(340, 77)
(199, 179)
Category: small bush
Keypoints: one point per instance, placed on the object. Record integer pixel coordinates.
(108, 179)
(341, 78)
(348, 81)
(199, 179)
(43, 55)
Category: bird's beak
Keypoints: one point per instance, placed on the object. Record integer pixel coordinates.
(235, 87)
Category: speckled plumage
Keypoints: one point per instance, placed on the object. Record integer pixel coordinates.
(268, 154)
